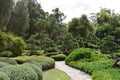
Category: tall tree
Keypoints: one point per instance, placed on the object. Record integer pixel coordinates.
(80, 26)
(19, 21)
(5, 10)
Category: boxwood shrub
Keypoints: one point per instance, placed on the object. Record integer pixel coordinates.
(36, 63)
(59, 57)
(20, 72)
(3, 64)
(51, 54)
(6, 54)
(82, 54)
(36, 68)
(4, 76)
(8, 60)
(46, 62)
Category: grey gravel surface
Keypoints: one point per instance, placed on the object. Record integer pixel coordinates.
(73, 73)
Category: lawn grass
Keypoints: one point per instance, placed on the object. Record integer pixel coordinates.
(55, 74)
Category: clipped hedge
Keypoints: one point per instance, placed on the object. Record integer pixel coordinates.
(36, 68)
(59, 57)
(6, 54)
(3, 64)
(46, 62)
(36, 63)
(20, 72)
(51, 54)
(4, 76)
(8, 60)
(84, 54)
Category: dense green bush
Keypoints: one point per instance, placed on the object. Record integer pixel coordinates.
(90, 67)
(59, 57)
(36, 63)
(3, 64)
(6, 54)
(11, 43)
(8, 60)
(99, 75)
(46, 62)
(82, 54)
(36, 68)
(4, 76)
(51, 54)
(20, 72)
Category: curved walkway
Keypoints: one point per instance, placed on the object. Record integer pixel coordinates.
(73, 73)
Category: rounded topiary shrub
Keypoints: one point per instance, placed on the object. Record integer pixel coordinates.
(36, 63)
(83, 54)
(6, 54)
(46, 62)
(8, 60)
(36, 68)
(4, 76)
(51, 54)
(3, 64)
(20, 72)
(59, 57)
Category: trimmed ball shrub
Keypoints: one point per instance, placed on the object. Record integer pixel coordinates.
(36, 68)
(8, 60)
(6, 54)
(36, 63)
(4, 76)
(3, 64)
(46, 62)
(84, 54)
(59, 57)
(20, 72)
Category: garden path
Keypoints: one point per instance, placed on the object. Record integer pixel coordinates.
(73, 73)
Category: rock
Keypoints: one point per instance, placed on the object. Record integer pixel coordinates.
(117, 63)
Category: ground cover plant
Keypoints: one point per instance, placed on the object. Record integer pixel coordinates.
(100, 68)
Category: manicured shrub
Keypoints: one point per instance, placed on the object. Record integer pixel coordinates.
(82, 54)
(36, 68)
(6, 54)
(8, 60)
(46, 62)
(51, 54)
(3, 64)
(20, 72)
(59, 57)
(4, 76)
(36, 63)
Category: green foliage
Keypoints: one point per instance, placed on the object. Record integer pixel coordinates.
(68, 44)
(19, 21)
(99, 75)
(108, 45)
(59, 57)
(6, 54)
(4, 76)
(3, 64)
(36, 68)
(82, 54)
(51, 54)
(80, 26)
(5, 10)
(9, 42)
(36, 63)
(8, 60)
(20, 72)
(46, 62)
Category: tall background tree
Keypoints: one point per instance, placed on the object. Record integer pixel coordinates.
(5, 12)
(19, 21)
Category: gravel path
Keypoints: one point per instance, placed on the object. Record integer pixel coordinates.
(73, 73)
